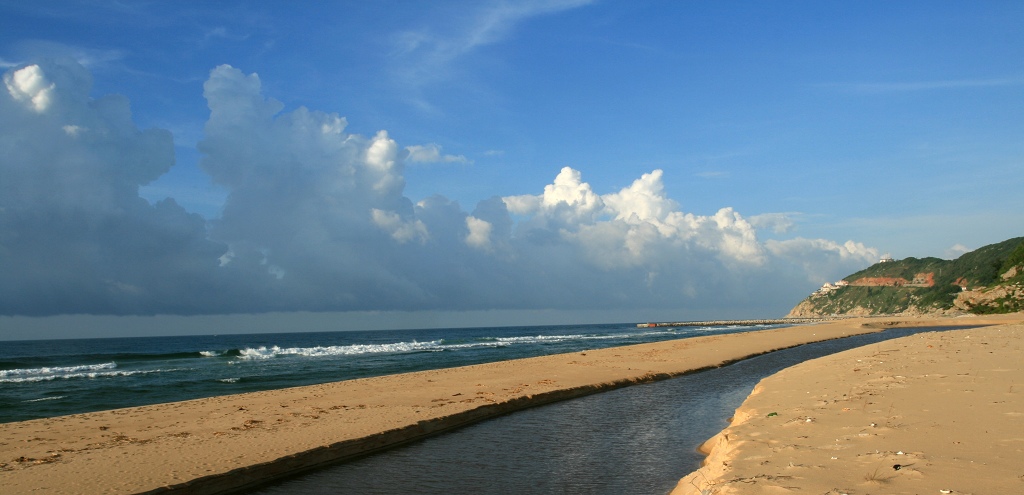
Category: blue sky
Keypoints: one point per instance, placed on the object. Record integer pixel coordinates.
(722, 146)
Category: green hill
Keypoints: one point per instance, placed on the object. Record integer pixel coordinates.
(987, 280)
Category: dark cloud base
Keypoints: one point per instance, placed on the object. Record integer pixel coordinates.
(316, 220)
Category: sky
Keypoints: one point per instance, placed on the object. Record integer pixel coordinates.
(386, 164)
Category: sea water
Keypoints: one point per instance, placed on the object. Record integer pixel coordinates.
(48, 378)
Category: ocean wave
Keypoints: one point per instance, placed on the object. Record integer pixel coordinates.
(216, 354)
(70, 375)
(540, 339)
(264, 352)
(41, 399)
(268, 352)
(141, 357)
(532, 339)
(55, 370)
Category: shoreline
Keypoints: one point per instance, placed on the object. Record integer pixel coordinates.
(234, 442)
(768, 321)
(919, 414)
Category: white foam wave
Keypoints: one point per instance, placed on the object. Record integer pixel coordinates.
(46, 398)
(228, 380)
(265, 352)
(565, 338)
(338, 350)
(540, 338)
(211, 353)
(55, 370)
(91, 374)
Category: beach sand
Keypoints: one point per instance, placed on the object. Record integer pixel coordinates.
(932, 413)
(225, 443)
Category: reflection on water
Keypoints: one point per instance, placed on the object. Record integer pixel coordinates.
(639, 439)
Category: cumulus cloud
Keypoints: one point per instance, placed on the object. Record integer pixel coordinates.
(74, 234)
(400, 230)
(817, 259)
(29, 85)
(327, 208)
(479, 235)
(316, 219)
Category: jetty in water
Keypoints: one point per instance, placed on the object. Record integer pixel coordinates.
(719, 323)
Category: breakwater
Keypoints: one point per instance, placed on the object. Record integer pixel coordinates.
(715, 323)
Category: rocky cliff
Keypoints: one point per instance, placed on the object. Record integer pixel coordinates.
(987, 280)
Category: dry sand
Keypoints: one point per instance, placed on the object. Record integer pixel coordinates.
(932, 413)
(223, 443)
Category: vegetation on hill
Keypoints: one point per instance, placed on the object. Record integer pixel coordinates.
(967, 283)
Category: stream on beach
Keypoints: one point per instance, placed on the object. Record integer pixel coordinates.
(638, 440)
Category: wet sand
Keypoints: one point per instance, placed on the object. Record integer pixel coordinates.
(231, 442)
(931, 413)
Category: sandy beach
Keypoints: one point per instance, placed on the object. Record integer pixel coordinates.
(231, 442)
(935, 413)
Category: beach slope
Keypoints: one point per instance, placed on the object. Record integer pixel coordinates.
(938, 412)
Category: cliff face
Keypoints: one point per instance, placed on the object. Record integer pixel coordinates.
(808, 309)
(987, 280)
(1009, 297)
(924, 279)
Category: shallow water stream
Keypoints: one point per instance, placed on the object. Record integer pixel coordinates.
(636, 440)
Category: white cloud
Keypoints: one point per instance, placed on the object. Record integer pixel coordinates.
(780, 223)
(431, 153)
(799, 246)
(822, 260)
(479, 233)
(401, 230)
(489, 24)
(30, 86)
(422, 57)
(956, 251)
(567, 201)
(737, 237)
(644, 200)
(634, 226)
(382, 160)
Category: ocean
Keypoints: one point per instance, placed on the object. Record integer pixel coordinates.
(47, 378)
